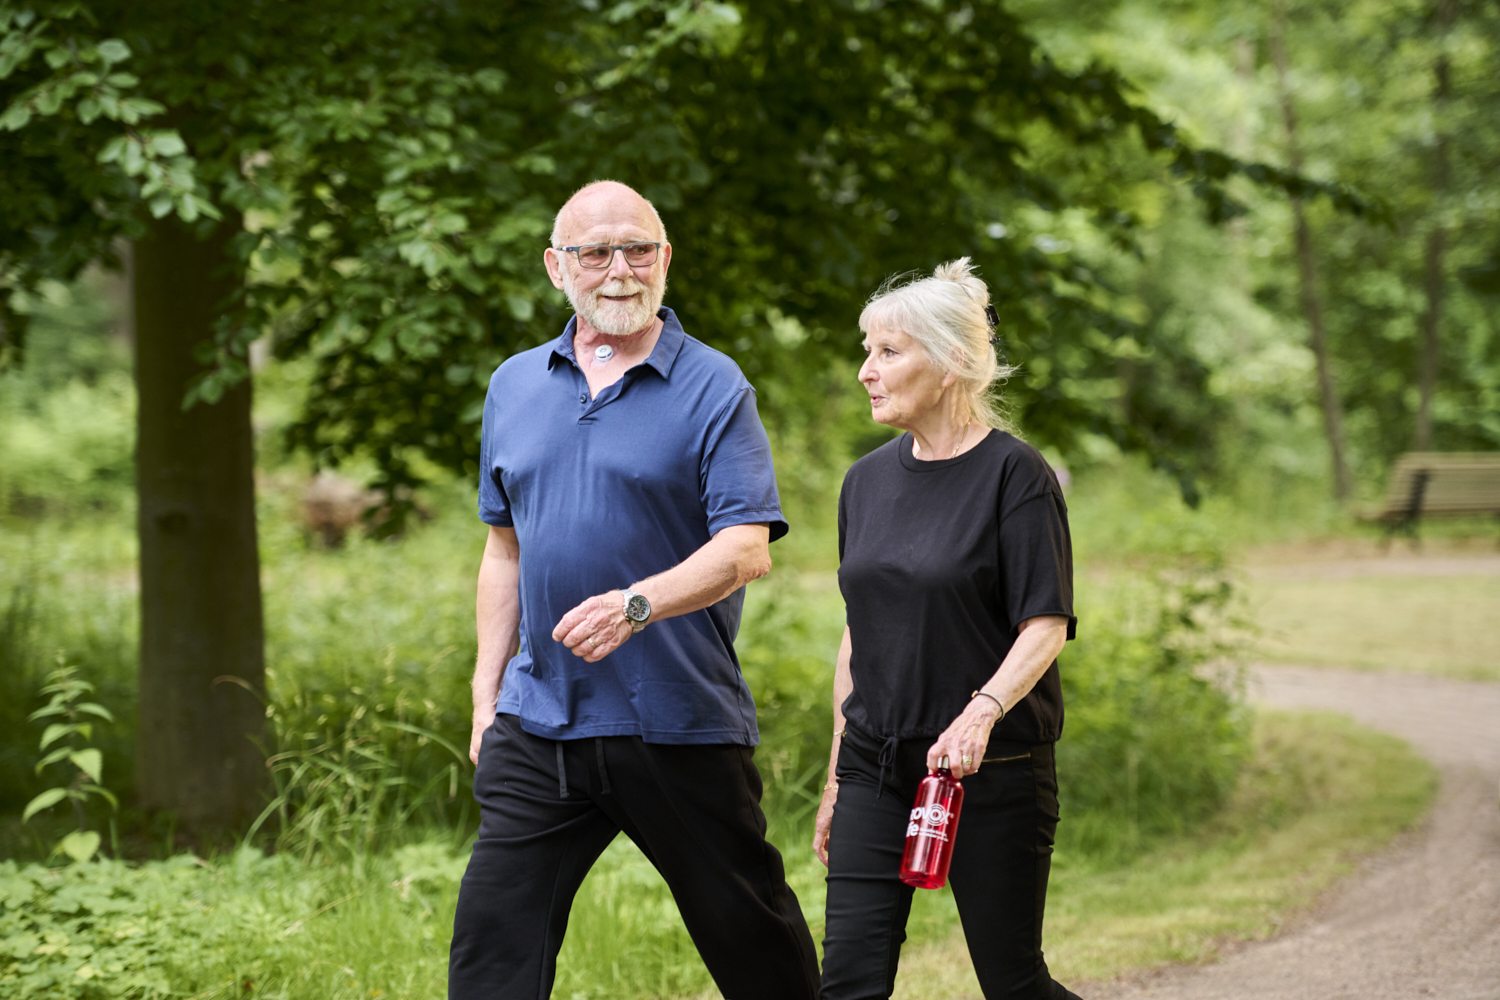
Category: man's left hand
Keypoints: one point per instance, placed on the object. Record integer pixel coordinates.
(595, 628)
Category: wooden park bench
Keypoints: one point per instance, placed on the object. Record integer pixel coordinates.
(1438, 484)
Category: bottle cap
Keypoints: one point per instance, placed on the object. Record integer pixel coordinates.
(943, 763)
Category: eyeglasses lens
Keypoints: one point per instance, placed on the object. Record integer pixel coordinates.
(599, 256)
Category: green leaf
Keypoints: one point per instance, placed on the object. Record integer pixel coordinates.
(161, 205)
(134, 161)
(90, 762)
(88, 110)
(103, 793)
(58, 707)
(16, 116)
(166, 144)
(113, 50)
(53, 757)
(80, 845)
(113, 149)
(46, 800)
(95, 709)
(57, 731)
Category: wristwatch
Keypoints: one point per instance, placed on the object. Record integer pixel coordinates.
(637, 609)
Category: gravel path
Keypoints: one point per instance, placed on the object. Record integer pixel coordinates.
(1420, 919)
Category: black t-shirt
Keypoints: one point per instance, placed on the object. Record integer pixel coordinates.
(938, 562)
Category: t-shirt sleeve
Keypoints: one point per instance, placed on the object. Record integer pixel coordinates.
(1036, 561)
(494, 505)
(738, 479)
(843, 517)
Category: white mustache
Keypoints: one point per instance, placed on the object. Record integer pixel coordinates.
(616, 287)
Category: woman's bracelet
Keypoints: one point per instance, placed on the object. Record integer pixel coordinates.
(997, 701)
(839, 732)
(834, 785)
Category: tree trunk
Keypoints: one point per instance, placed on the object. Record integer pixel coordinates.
(1437, 240)
(202, 666)
(1312, 303)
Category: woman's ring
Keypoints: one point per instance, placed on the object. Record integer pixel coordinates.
(968, 760)
(592, 643)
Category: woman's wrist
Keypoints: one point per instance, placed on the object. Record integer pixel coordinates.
(988, 704)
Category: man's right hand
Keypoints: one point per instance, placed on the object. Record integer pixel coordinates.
(476, 735)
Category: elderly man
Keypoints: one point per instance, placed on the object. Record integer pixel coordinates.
(627, 483)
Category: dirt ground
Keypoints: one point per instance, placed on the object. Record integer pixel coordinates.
(1420, 919)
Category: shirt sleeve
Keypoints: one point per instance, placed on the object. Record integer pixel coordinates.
(494, 505)
(1036, 561)
(737, 477)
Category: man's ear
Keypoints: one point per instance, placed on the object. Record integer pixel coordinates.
(553, 259)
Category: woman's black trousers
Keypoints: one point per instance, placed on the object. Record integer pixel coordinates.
(1001, 860)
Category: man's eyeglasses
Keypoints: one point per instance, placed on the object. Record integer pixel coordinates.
(599, 255)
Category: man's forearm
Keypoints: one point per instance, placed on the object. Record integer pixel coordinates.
(731, 559)
(497, 617)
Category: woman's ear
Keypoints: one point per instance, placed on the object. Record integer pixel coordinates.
(950, 376)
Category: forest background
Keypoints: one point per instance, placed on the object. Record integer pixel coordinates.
(1244, 257)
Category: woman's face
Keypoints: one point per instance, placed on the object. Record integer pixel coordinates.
(905, 387)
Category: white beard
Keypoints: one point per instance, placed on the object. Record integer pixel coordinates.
(614, 319)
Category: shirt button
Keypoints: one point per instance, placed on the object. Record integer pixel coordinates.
(583, 397)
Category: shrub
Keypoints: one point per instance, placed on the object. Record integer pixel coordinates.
(1156, 728)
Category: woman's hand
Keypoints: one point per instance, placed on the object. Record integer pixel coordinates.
(965, 739)
(825, 821)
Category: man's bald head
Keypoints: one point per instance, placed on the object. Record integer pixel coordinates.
(605, 203)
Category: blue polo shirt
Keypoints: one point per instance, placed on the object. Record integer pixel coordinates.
(605, 492)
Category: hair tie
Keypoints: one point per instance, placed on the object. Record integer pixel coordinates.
(992, 317)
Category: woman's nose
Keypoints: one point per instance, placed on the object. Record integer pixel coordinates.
(865, 372)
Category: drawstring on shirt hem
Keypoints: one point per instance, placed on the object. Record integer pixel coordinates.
(886, 760)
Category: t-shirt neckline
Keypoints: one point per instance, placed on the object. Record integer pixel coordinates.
(912, 463)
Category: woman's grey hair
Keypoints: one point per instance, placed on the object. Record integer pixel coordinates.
(946, 313)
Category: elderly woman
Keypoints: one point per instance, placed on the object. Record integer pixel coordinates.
(956, 570)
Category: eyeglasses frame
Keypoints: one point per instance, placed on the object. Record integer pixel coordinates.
(613, 249)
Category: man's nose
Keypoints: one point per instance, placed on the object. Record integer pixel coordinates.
(618, 268)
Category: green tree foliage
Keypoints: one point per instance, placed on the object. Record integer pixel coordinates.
(1368, 76)
(1364, 81)
(397, 169)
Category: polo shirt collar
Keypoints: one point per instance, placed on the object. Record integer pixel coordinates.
(662, 356)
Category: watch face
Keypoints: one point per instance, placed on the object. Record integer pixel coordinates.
(637, 608)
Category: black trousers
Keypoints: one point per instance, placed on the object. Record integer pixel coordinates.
(1001, 860)
(548, 809)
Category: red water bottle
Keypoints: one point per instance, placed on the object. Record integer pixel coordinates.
(931, 829)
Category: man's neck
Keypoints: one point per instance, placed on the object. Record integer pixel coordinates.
(632, 347)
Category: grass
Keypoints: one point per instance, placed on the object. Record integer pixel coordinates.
(1319, 792)
(1441, 625)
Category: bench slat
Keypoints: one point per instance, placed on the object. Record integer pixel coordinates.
(1457, 483)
